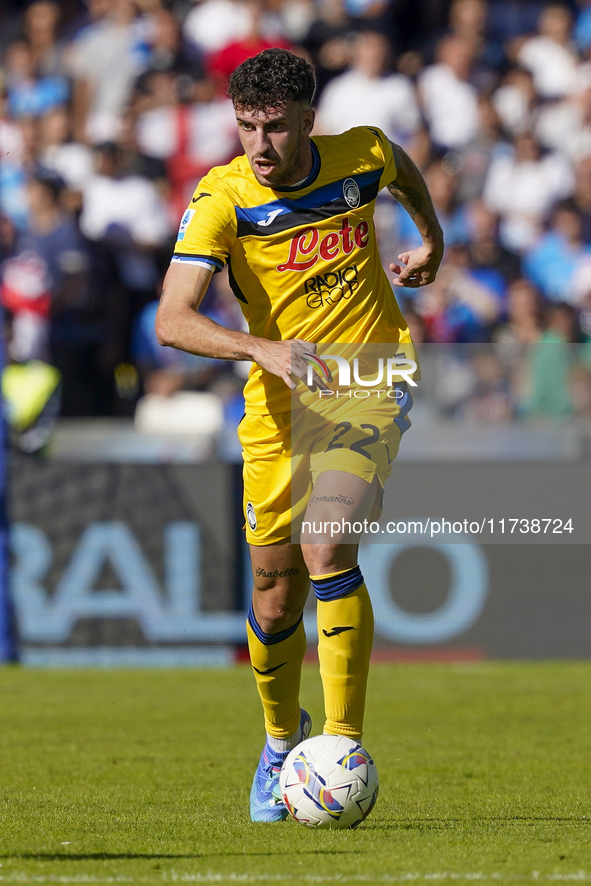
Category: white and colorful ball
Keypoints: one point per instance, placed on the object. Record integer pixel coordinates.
(329, 781)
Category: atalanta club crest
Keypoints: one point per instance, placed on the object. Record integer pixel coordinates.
(351, 193)
(251, 516)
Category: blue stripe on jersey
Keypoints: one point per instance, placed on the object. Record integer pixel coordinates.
(314, 200)
(215, 263)
(405, 402)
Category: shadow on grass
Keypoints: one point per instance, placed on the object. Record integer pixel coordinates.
(154, 856)
(422, 824)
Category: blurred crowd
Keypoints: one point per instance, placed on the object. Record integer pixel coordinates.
(111, 111)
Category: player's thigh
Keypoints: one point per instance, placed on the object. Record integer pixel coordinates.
(350, 462)
(339, 500)
(281, 584)
(331, 528)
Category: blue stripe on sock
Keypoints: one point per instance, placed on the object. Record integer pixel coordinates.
(270, 639)
(338, 585)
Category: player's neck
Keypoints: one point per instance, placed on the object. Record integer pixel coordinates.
(304, 167)
(303, 170)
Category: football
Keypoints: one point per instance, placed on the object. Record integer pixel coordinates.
(329, 781)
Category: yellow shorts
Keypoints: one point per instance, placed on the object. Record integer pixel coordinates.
(285, 453)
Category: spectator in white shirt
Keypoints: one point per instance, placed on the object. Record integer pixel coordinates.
(126, 221)
(521, 187)
(212, 24)
(368, 95)
(515, 101)
(550, 55)
(566, 125)
(69, 159)
(118, 205)
(450, 102)
(104, 62)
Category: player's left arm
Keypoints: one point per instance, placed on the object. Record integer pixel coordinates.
(410, 189)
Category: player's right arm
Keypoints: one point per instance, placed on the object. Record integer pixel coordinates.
(179, 324)
(410, 189)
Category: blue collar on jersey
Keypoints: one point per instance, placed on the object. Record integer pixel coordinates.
(311, 177)
(321, 203)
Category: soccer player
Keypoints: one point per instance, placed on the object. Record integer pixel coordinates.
(292, 209)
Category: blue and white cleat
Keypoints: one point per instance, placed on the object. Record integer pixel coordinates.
(266, 802)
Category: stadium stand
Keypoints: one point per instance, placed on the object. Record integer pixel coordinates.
(110, 112)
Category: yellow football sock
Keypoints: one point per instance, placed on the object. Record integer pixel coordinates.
(277, 663)
(345, 638)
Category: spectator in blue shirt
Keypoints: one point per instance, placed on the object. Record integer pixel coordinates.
(29, 95)
(553, 261)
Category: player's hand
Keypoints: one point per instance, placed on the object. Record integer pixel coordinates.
(420, 267)
(288, 358)
(304, 356)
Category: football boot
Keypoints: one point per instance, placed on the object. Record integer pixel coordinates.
(266, 802)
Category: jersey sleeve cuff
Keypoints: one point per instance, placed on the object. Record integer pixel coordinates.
(204, 261)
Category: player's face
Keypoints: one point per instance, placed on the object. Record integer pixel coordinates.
(277, 142)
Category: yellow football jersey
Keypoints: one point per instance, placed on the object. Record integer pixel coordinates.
(303, 260)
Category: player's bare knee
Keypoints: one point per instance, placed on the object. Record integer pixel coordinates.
(323, 559)
(274, 613)
(279, 598)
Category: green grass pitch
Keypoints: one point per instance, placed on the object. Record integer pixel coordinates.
(144, 777)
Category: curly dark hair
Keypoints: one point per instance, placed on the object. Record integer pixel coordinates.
(271, 79)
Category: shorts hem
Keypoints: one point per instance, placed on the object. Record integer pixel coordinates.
(263, 543)
(345, 461)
